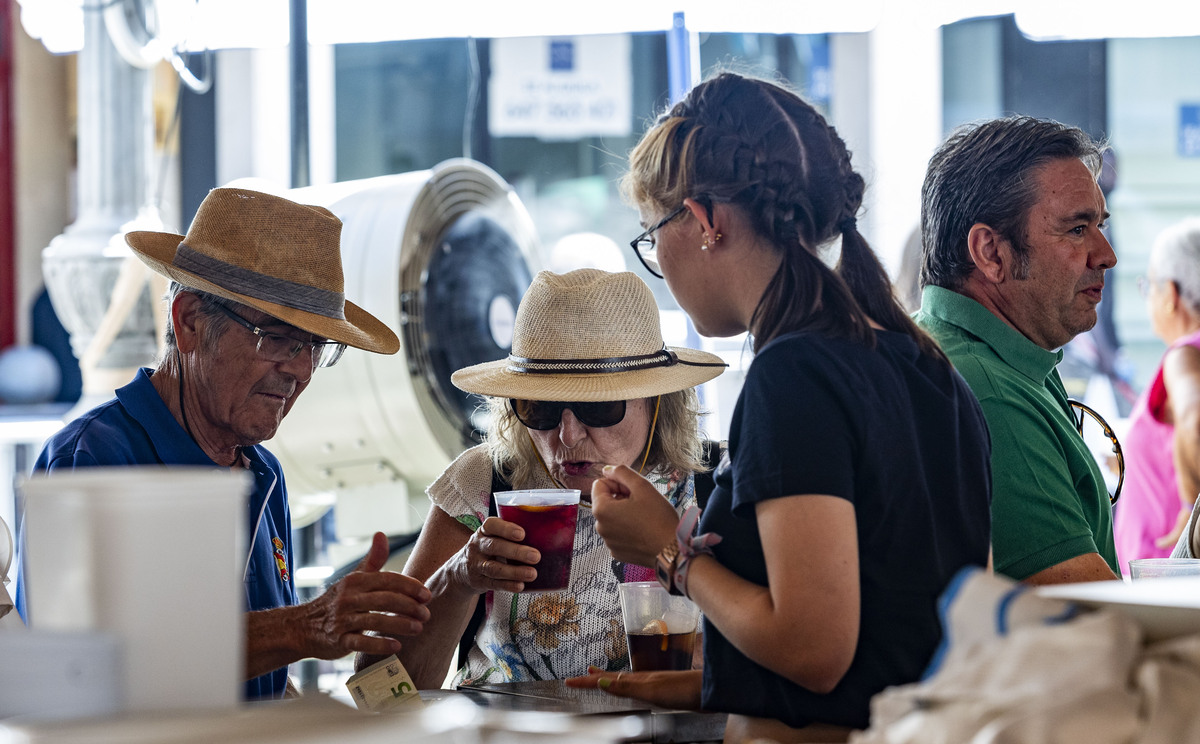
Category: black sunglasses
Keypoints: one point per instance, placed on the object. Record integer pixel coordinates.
(543, 415)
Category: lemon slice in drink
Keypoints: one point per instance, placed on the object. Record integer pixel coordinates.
(656, 627)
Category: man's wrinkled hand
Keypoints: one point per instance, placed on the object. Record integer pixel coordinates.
(367, 609)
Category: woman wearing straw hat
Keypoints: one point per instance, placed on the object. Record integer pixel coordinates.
(858, 479)
(588, 382)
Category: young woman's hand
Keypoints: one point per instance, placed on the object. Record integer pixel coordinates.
(634, 519)
(674, 690)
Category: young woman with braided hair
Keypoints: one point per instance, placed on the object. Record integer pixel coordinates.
(857, 483)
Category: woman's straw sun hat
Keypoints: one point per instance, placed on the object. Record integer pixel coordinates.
(589, 335)
(271, 254)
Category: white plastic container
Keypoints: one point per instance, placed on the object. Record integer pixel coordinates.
(59, 675)
(153, 556)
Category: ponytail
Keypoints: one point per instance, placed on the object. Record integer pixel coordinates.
(805, 294)
(870, 285)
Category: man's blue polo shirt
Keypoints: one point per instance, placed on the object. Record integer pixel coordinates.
(137, 428)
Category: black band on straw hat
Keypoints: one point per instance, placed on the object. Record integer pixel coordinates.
(662, 358)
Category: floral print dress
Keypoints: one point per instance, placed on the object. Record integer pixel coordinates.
(547, 635)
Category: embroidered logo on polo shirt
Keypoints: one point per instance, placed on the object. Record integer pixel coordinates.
(280, 559)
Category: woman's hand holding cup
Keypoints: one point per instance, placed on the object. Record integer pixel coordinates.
(495, 559)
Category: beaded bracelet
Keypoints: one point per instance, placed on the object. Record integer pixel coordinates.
(690, 546)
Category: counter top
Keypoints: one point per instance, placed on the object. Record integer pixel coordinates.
(529, 712)
(552, 696)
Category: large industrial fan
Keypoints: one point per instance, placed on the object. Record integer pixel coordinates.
(443, 257)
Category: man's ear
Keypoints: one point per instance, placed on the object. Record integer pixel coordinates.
(989, 251)
(185, 313)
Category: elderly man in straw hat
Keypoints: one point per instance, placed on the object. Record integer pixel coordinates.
(255, 308)
(588, 383)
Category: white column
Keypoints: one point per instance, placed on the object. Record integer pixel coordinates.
(905, 123)
(97, 287)
(322, 115)
(887, 106)
(252, 117)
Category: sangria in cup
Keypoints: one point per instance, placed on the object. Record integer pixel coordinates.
(659, 627)
(548, 517)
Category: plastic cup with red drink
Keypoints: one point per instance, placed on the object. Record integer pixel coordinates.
(548, 517)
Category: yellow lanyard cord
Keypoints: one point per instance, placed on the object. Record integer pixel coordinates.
(542, 462)
(650, 439)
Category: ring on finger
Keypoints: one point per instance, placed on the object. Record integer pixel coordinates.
(483, 567)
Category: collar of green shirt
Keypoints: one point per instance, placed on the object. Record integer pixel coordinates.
(1023, 355)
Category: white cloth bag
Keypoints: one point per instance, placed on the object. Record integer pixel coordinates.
(1016, 669)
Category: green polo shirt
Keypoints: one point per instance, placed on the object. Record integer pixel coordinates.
(1049, 499)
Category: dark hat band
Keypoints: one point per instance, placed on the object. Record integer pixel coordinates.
(663, 358)
(271, 289)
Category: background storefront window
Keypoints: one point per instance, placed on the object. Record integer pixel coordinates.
(405, 106)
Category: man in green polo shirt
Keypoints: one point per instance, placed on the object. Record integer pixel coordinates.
(1012, 268)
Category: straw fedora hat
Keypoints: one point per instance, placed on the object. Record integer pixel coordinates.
(271, 254)
(589, 335)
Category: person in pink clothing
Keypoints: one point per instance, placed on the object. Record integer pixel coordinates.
(1162, 449)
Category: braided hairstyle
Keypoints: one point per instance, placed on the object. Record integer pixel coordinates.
(759, 146)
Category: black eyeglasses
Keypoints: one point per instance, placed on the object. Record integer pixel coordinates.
(277, 348)
(644, 246)
(543, 415)
(1108, 432)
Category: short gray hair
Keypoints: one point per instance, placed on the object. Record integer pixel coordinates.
(209, 303)
(1175, 257)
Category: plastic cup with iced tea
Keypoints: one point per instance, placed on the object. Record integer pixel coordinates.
(659, 627)
(548, 517)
